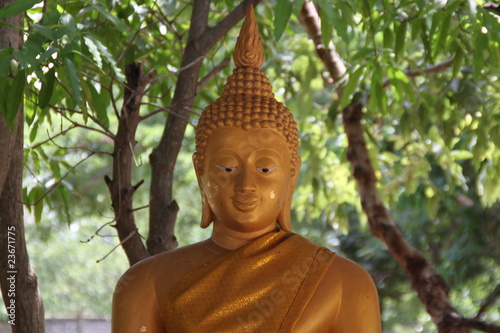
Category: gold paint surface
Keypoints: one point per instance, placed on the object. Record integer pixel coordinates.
(261, 287)
(249, 51)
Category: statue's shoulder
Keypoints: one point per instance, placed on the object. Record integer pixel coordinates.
(164, 267)
(350, 277)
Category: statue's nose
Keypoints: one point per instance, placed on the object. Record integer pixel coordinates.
(246, 181)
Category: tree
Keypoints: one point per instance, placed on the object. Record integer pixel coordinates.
(20, 293)
(430, 286)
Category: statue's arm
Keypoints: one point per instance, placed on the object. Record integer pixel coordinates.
(135, 306)
(359, 305)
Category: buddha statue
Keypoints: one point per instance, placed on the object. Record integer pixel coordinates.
(253, 274)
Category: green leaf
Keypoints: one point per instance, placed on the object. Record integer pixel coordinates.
(5, 65)
(297, 5)
(93, 49)
(457, 62)
(74, 80)
(45, 55)
(439, 44)
(424, 34)
(55, 168)
(338, 22)
(388, 38)
(326, 13)
(17, 7)
(70, 27)
(351, 86)
(99, 103)
(119, 24)
(378, 97)
(432, 206)
(495, 135)
(461, 155)
(14, 98)
(63, 196)
(400, 39)
(47, 32)
(102, 51)
(281, 17)
(473, 9)
(38, 193)
(34, 131)
(47, 89)
(481, 45)
(363, 53)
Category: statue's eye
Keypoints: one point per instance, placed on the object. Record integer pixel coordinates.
(267, 170)
(226, 169)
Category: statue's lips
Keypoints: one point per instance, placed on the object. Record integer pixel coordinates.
(245, 203)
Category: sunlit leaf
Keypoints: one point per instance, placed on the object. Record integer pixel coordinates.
(442, 35)
(74, 80)
(14, 98)
(461, 155)
(400, 39)
(38, 195)
(17, 7)
(5, 64)
(281, 17)
(99, 103)
(47, 32)
(351, 86)
(47, 89)
(99, 50)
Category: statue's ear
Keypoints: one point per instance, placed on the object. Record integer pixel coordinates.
(207, 216)
(284, 219)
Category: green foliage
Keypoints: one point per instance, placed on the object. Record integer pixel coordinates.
(17, 7)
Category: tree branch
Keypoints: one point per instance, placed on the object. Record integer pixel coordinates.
(441, 67)
(216, 70)
(120, 187)
(477, 325)
(328, 55)
(488, 301)
(212, 35)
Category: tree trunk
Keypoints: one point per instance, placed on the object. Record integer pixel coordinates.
(162, 206)
(120, 187)
(17, 279)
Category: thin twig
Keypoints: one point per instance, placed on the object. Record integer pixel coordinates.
(442, 66)
(117, 245)
(96, 233)
(139, 208)
(59, 181)
(161, 78)
(53, 137)
(216, 70)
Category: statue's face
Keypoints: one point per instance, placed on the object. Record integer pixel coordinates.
(246, 178)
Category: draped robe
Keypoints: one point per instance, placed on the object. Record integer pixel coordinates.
(261, 287)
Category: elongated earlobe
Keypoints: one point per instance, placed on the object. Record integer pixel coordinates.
(284, 218)
(206, 213)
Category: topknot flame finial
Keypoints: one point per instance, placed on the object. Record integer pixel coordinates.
(248, 51)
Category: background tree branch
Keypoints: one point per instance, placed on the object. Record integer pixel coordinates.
(120, 187)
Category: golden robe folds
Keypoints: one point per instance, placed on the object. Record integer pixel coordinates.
(261, 287)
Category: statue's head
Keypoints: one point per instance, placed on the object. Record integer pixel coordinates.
(246, 157)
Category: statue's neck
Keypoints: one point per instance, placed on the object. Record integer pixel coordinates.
(232, 239)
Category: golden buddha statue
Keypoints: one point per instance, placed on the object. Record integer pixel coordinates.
(252, 274)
